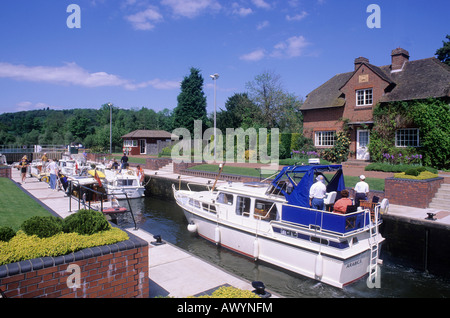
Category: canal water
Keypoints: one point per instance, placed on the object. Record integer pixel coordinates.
(165, 218)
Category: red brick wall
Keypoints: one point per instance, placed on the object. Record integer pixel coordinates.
(114, 271)
(5, 172)
(415, 193)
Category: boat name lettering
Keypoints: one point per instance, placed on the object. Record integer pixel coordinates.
(354, 263)
(288, 233)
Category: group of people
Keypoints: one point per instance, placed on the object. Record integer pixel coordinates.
(318, 192)
(47, 165)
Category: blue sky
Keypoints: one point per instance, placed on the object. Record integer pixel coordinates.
(135, 53)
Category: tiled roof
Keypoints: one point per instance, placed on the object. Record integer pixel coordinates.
(418, 79)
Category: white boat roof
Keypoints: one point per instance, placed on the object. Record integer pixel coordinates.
(254, 189)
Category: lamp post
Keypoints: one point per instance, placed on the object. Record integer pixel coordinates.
(214, 78)
(110, 128)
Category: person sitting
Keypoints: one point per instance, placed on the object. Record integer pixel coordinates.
(340, 206)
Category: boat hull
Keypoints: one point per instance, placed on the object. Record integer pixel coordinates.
(303, 259)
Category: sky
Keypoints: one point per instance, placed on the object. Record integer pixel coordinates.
(135, 53)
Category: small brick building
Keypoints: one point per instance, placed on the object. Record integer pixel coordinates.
(350, 98)
(146, 142)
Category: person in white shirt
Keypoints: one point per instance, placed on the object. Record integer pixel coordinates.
(361, 190)
(317, 193)
(53, 169)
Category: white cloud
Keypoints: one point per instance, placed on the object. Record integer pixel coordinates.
(297, 17)
(254, 56)
(292, 47)
(262, 25)
(191, 8)
(261, 4)
(243, 12)
(72, 74)
(145, 20)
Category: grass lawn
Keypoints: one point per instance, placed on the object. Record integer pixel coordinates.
(350, 181)
(16, 206)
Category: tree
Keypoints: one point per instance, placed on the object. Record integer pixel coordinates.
(278, 108)
(191, 102)
(240, 112)
(443, 54)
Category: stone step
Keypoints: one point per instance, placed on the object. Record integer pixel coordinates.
(441, 201)
(443, 195)
(445, 187)
(439, 206)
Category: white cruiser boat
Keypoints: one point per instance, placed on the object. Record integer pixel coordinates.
(273, 223)
(118, 182)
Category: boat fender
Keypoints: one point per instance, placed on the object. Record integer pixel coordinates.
(217, 235)
(319, 266)
(255, 249)
(192, 227)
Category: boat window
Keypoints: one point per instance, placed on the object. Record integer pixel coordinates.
(209, 207)
(225, 198)
(265, 210)
(125, 182)
(194, 203)
(243, 206)
(319, 240)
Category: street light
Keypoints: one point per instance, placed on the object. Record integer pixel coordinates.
(214, 78)
(110, 128)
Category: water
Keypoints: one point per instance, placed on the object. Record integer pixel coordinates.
(165, 218)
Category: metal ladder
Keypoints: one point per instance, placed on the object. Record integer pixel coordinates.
(374, 248)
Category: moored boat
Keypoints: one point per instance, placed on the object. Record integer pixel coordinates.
(273, 222)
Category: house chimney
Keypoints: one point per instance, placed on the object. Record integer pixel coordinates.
(399, 58)
(359, 61)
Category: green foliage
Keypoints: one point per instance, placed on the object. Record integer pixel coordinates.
(6, 233)
(385, 167)
(430, 116)
(415, 175)
(85, 222)
(23, 246)
(341, 149)
(42, 226)
(443, 53)
(231, 292)
(191, 102)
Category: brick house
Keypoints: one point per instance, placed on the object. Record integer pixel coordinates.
(146, 142)
(349, 99)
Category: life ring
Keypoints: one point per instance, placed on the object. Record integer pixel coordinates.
(45, 179)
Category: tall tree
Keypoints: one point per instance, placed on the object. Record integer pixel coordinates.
(191, 102)
(443, 54)
(278, 108)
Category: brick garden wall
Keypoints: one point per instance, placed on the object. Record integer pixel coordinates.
(5, 172)
(113, 271)
(415, 193)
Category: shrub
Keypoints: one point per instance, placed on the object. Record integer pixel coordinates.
(231, 292)
(412, 172)
(421, 176)
(22, 246)
(6, 233)
(42, 226)
(85, 222)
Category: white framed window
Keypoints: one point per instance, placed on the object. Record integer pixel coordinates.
(407, 137)
(364, 97)
(325, 138)
(130, 143)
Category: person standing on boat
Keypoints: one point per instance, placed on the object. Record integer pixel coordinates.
(361, 190)
(317, 193)
(124, 161)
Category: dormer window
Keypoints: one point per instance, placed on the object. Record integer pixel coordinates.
(364, 97)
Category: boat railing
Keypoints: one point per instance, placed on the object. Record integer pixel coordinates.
(324, 221)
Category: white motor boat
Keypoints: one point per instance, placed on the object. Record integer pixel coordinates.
(273, 223)
(119, 182)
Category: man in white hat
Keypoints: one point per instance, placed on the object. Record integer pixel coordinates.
(361, 190)
(317, 193)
